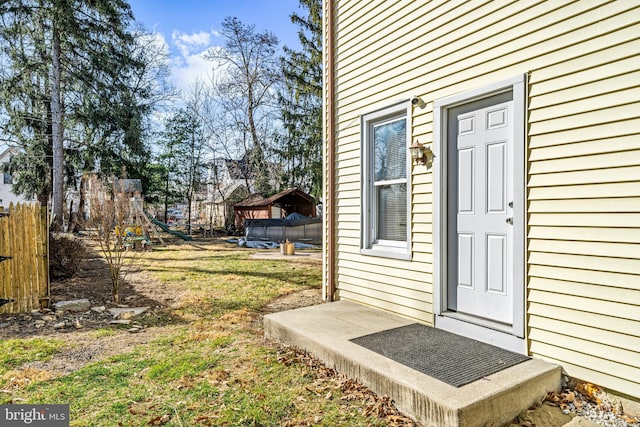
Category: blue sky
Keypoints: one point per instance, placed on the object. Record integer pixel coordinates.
(189, 27)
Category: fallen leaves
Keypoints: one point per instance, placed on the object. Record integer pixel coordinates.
(329, 384)
(586, 394)
(160, 420)
(20, 378)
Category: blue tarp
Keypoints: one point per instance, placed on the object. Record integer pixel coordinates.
(254, 244)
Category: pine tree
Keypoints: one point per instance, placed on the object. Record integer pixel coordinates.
(183, 159)
(301, 104)
(77, 102)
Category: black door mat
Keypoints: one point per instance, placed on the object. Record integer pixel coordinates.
(448, 357)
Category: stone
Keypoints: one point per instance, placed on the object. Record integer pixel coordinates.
(48, 318)
(59, 325)
(136, 311)
(120, 322)
(78, 325)
(40, 323)
(581, 422)
(4, 325)
(73, 305)
(100, 309)
(124, 315)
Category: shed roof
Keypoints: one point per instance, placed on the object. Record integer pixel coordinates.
(255, 200)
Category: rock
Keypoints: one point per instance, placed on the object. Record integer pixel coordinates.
(73, 305)
(124, 315)
(4, 325)
(580, 422)
(40, 323)
(60, 325)
(48, 318)
(100, 309)
(120, 322)
(133, 330)
(78, 325)
(136, 311)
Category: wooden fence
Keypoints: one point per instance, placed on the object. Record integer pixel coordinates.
(24, 276)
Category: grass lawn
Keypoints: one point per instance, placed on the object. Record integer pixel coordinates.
(202, 360)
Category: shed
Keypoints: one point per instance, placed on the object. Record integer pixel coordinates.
(277, 206)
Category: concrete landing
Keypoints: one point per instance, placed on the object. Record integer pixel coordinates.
(325, 330)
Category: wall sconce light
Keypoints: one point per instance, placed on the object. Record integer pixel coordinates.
(416, 101)
(420, 154)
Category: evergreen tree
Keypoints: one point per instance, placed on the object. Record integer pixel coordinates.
(78, 101)
(300, 146)
(183, 159)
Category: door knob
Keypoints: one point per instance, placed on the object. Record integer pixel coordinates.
(510, 221)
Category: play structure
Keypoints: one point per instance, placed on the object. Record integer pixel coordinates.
(166, 228)
(142, 224)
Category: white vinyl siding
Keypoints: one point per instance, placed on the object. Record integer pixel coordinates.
(583, 159)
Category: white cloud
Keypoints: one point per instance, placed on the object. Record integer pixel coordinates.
(187, 56)
(188, 61)
(189, 44)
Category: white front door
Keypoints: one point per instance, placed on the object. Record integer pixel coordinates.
(481, 199)
(480, 214)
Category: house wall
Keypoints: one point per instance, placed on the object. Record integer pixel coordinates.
(583, 160)
(6, 190)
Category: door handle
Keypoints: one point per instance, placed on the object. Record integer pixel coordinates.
(510, 221)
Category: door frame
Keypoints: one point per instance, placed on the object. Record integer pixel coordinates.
(512, 338)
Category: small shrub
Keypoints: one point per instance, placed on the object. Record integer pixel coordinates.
(65, 254)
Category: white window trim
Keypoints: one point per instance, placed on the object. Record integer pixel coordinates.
(382, 248)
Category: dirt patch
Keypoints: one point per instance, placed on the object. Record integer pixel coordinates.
(298, 299)
(84, 343)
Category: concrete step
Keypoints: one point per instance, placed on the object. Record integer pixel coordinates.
(325, 330)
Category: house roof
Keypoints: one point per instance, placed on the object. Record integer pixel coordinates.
(238, 169)
(255, 200)
(228, 192)
(7, 151)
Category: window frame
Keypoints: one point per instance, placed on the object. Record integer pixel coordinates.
(370, 244)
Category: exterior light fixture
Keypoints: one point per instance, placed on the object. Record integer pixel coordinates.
(420, 154)
(416, 101)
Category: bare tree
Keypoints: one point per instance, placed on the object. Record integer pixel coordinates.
(248, 87)
(113, 219)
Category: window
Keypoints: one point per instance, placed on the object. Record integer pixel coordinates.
(7, 179)
(385, 201)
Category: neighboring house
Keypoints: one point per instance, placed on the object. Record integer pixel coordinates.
(227, 183)
(524, 230)
(6, 182)
(218, 207)
(277, 206)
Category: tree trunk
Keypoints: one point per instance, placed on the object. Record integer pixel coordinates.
(57, 132)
